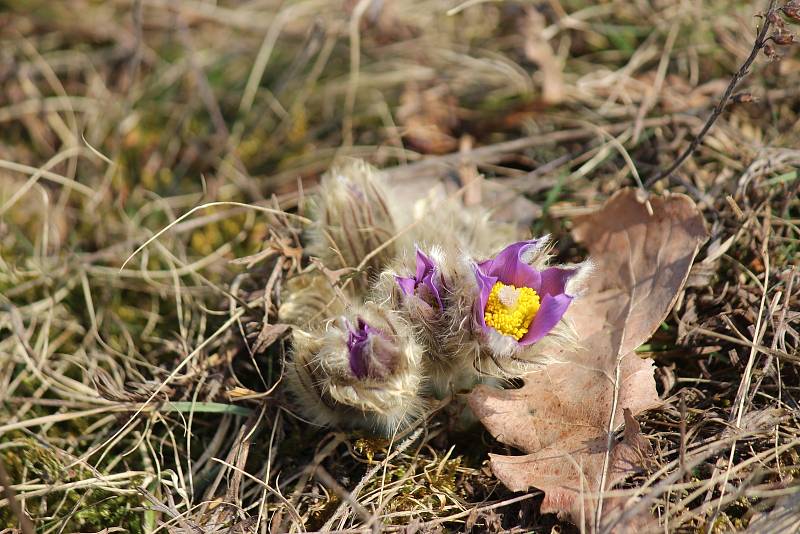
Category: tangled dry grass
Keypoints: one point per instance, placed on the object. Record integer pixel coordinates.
(146, 397)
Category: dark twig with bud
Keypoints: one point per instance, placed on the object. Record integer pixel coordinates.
(772, 19)
(792, 11)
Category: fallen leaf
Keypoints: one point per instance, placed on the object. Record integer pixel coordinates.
(783, 517)
(268, 335)
(566, 416)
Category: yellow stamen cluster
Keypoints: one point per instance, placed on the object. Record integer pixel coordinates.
(510, 310)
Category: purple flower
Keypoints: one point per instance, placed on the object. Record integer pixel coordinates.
(425, 284)
(371, 352)
(542, 310)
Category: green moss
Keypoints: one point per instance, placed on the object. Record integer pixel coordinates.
(87, 509)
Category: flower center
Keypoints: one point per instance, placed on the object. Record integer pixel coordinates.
(510, 310)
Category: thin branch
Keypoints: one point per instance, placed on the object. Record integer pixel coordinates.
(761, 41)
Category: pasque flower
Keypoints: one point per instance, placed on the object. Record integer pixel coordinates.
(353, 222)
(426, 283)
(518, 300)
(371, 353)
(361, 368)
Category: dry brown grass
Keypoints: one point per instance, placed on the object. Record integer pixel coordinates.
(131, 398)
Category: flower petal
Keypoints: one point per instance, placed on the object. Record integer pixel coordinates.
(554, 280)
(424, 265)
(509, 268)
(427, 276)
(406, 283)
(431, 285)
(358, 343)
(485, 284)
(550, 312)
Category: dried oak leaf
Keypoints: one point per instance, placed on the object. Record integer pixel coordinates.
(566, 416)
(268, 335)
(783, 517)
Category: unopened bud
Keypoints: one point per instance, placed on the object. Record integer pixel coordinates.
(783, 39)
(769, 51)
(743, 98)
(775, 19)
(353, 222)
(372, 353)
(792, 11)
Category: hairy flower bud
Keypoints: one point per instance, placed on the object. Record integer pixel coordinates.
(308, 298)
(352, 222)
(362, 370)
(373, 354)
